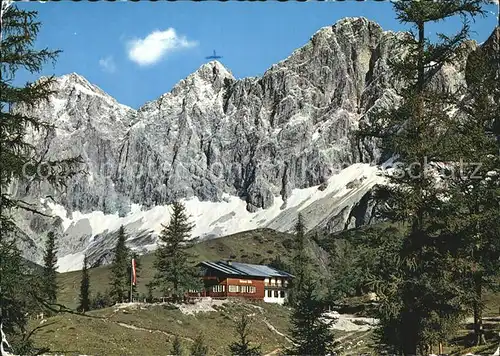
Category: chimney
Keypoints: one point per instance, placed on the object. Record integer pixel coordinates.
(229, 262)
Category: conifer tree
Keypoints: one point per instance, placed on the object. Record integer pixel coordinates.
(177, 349)
(242, 347)
(14, 302)
(120, 269)
(49, 279)
(150, 286)
(420, 303)
(199, 348)
(301, 262)
(309, 333)
(17, 38)
(475, 182)
(84, 305)
(173, 263)
(279, 264)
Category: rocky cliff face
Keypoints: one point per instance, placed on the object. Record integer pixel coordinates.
(262, 141)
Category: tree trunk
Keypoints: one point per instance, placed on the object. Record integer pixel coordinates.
(175, 294)
(480, 338)
(421, 65)
(409, 334)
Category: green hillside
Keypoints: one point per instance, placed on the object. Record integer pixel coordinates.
(149, 329)
(256, 246)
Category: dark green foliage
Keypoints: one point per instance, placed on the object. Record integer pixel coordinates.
(310, 335)
(84, 287)
(21, 297)
(12, 294)
(199, 348)
(21, 293)
(242, 347)
(120, 269)
(358, 255)
(101, 300)
(49, 278)
(150, 287)
(346, 272)
(474, 213)
(177, 349)
(301, 262)
(421, 296)
(173, 262)
(18, 157)
(279, 264)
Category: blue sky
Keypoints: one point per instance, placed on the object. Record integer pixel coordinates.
(138, 51)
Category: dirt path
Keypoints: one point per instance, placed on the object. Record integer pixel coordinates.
(272, 328)
(274, 352)
(133, 327)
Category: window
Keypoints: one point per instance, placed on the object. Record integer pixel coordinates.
(219, 288)
(282, 294)
(266, 281)
(275, 294)
(278, 282)
(273, 282)
(233, 289)
(243, 289)
(269, 293)
(252, 289)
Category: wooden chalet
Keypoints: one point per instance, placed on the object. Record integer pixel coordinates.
(223, 279)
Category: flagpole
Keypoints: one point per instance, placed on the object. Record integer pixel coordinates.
(131, 278)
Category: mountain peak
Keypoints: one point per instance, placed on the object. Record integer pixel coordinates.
(209, 75)
(353, 23)
(74, 77)
(213, 68)
(75, 80)
(358, 20)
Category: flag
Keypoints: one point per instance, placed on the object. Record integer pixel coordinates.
(134, 276)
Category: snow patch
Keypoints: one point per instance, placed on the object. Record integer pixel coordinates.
(202, 305)
(213, 219)
(72, 262)
(347, 322)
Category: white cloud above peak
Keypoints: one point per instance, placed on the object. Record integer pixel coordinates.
(107, 64)
(155, 46)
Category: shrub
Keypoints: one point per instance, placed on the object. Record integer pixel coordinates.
(101, 300)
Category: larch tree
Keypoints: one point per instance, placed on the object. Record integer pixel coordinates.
(474, 223)
(19, 292)
(420, 304)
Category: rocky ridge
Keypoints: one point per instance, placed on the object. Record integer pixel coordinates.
(264, 141)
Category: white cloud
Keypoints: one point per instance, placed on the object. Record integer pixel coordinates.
(108, 64)
(156, 45)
